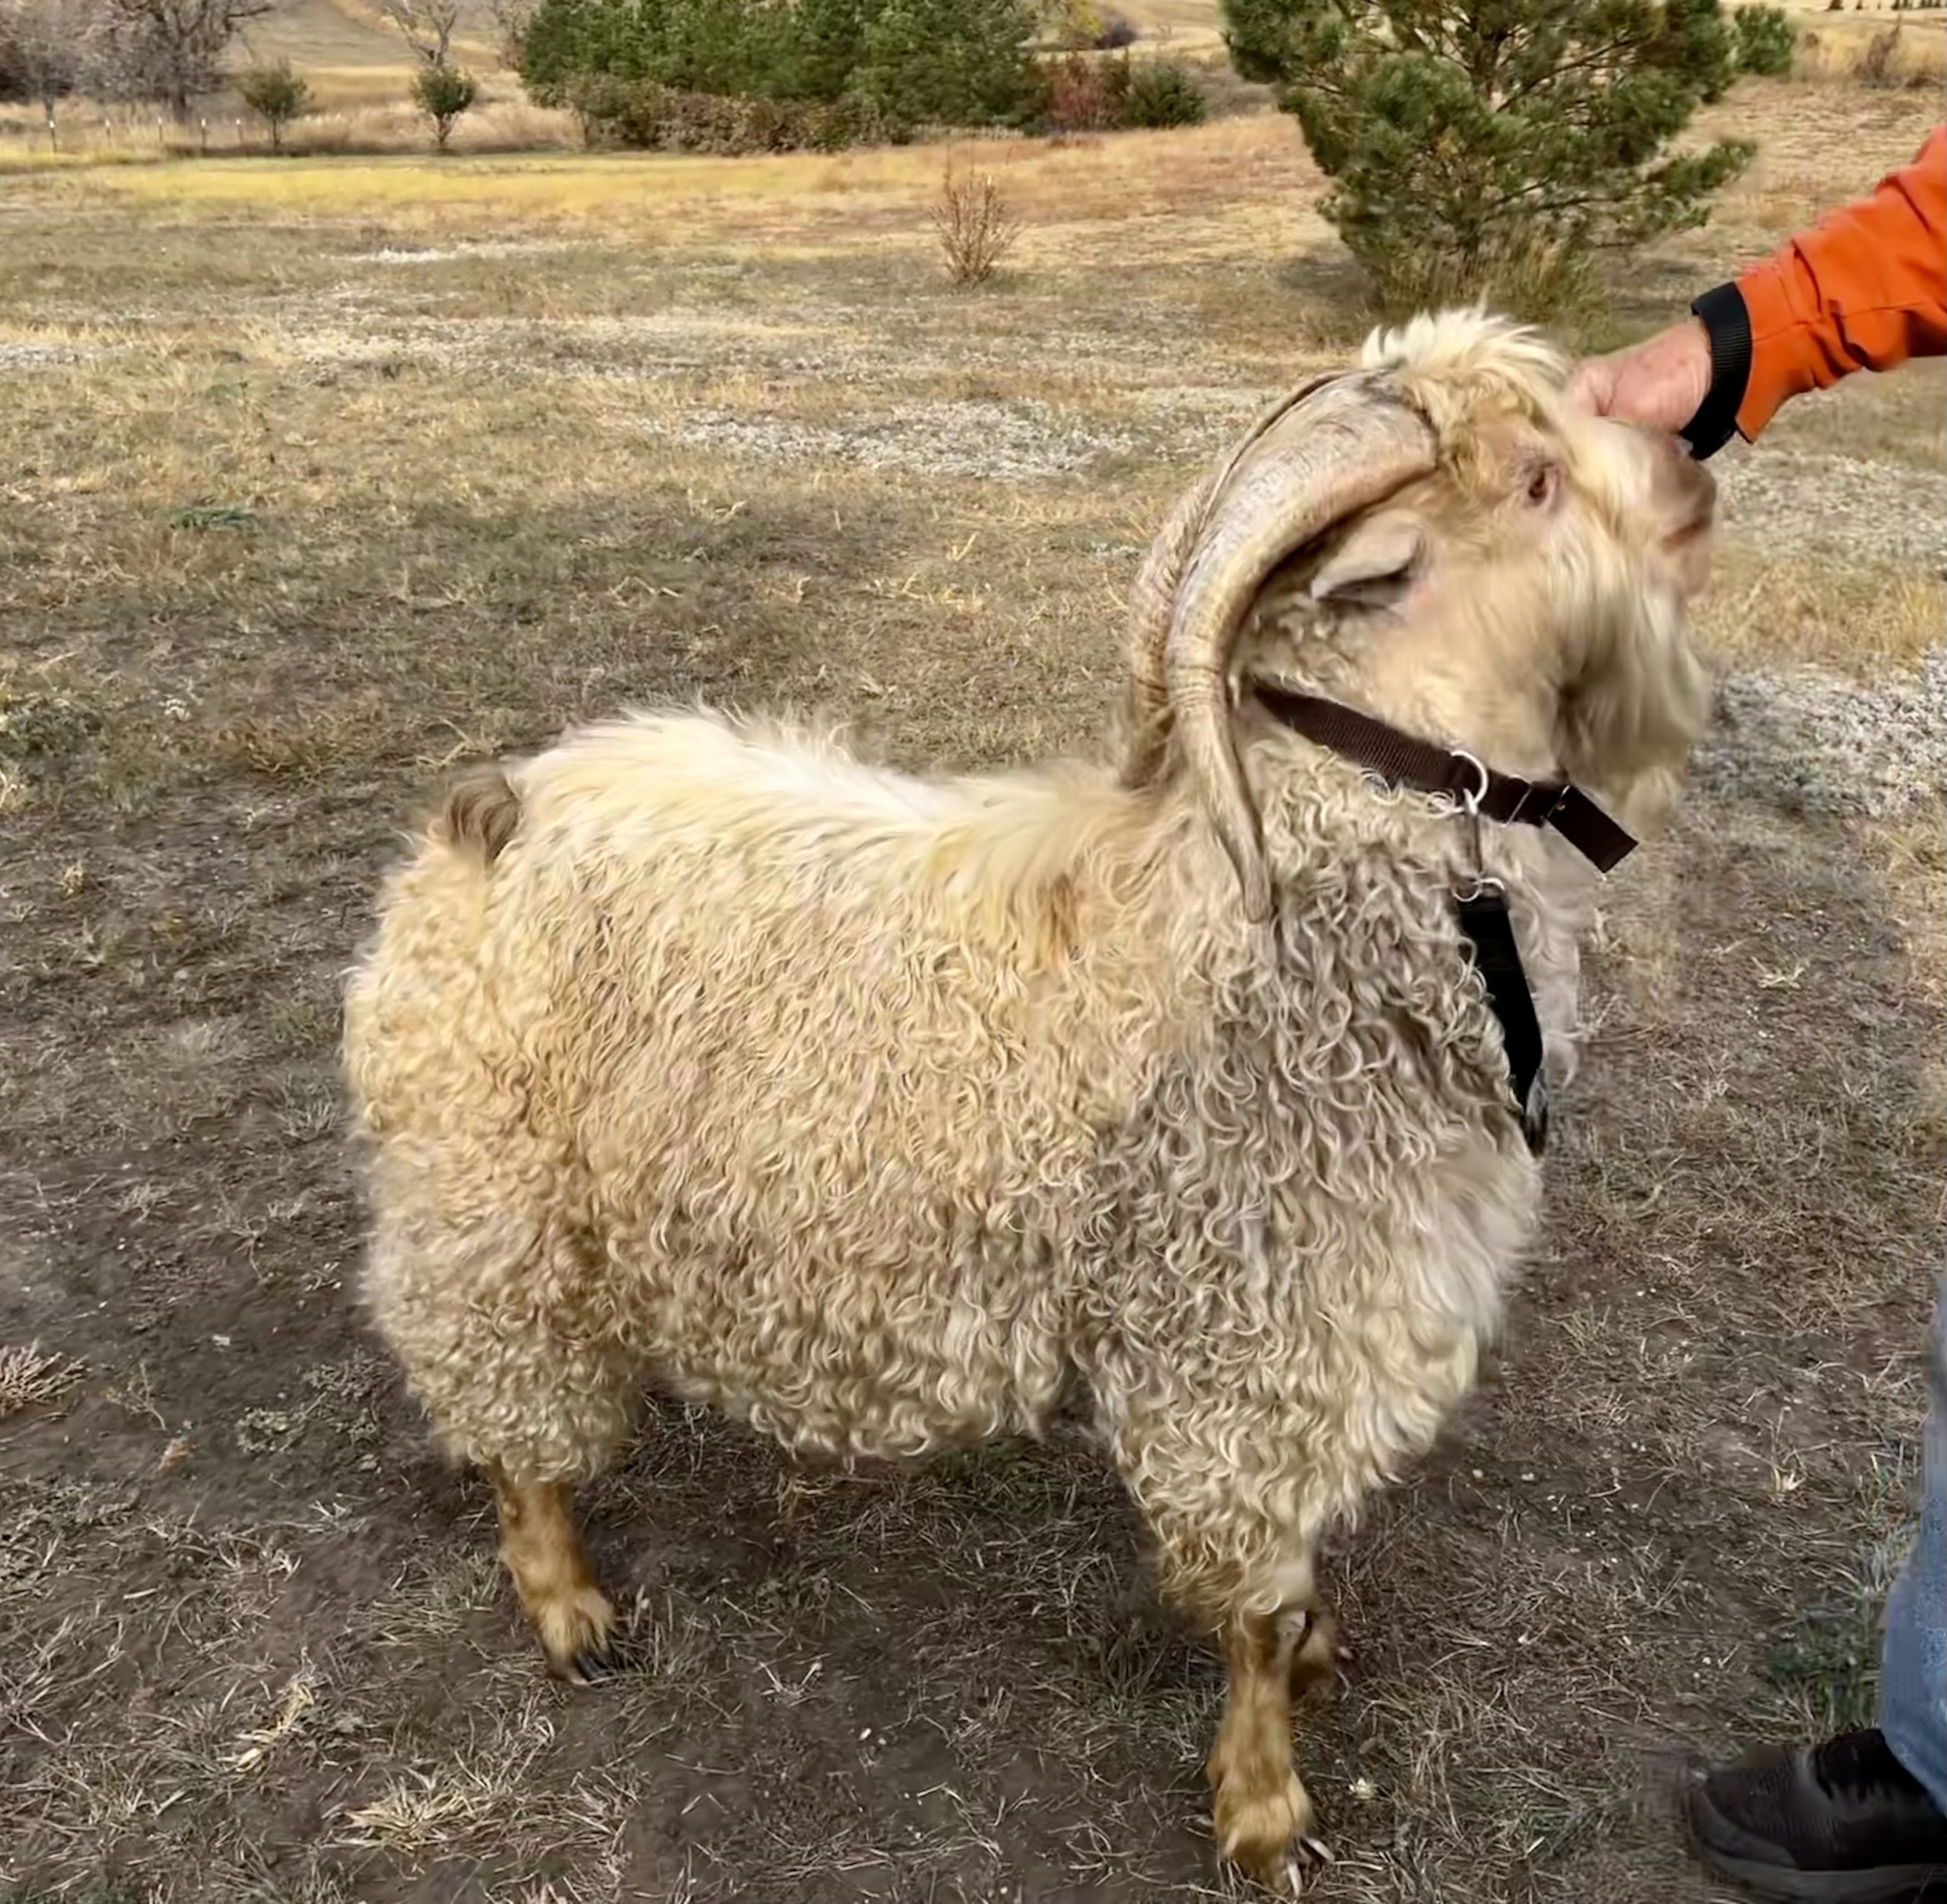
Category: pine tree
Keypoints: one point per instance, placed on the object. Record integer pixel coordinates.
(958, 62)
(1494, 147)
(829, 37)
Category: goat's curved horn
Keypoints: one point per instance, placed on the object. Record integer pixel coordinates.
(1152, 600)
(1320, 457)
(1151, 603)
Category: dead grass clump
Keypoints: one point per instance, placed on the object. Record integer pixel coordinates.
(1884, 57)
(42, 725)
(280, 749)
(1767, 609)
(32, 1376)
(976, 227)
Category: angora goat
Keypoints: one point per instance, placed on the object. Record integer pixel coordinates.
(694, 1054)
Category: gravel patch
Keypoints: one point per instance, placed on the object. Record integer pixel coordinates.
(1808, 741)
(653, 345)
(1203, 415)
(441, 254)
(41, 356)
(1791, 503)
(392, 254)
(1010, 442)
(815, 340)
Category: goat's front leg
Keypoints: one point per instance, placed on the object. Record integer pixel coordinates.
(1259, 1807)
(1233, 1548)
(542, 1546)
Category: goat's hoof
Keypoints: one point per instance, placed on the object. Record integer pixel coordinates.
(580, 1637)
(1269, 1835)
(594, 1663)
(1308, 1856)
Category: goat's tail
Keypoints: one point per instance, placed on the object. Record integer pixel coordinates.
(480, 812)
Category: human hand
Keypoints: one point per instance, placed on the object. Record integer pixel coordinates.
(1660, 383)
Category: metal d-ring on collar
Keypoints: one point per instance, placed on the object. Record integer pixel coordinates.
(1470, 804)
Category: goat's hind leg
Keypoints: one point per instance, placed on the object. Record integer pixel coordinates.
(518, 1391)
(1316, 1650)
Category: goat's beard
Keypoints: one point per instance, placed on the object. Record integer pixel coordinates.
(1629, 718)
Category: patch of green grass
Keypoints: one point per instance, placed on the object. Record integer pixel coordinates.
(206, 516)
(1830, 1666)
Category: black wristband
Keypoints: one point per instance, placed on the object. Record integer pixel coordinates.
(1724, 317)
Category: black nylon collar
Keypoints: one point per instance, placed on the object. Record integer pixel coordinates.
(1403, 759)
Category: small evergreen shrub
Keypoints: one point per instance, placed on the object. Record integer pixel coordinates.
(1160, 94)
(277, 95)
(443, 93)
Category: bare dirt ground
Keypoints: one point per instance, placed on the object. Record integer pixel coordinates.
(319, 477)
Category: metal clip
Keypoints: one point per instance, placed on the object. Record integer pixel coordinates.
(1470, 804)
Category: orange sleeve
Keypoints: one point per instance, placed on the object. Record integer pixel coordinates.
(1864, 289)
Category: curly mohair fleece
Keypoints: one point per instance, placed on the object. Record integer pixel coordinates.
(696, 1054)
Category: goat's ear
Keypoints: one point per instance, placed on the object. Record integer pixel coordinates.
(1374, 564)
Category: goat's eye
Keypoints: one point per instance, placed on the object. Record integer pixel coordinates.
(1542, 484)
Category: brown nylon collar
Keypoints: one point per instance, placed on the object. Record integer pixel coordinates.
(1402, 760)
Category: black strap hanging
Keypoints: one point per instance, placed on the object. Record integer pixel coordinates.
(1489, 932)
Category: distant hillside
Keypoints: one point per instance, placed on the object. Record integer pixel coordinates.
(347, 50)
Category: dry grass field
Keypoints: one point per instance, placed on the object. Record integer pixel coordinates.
(322, 475)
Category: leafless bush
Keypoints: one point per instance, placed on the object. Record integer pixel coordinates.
(426, 26)
(166, 50)
(1079, 99)
(976, 228)
(511, 19)
(45, 47)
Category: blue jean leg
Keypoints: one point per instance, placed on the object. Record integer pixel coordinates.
(1913, 1663)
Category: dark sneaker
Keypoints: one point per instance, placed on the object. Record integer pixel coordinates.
(1844, 1822)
